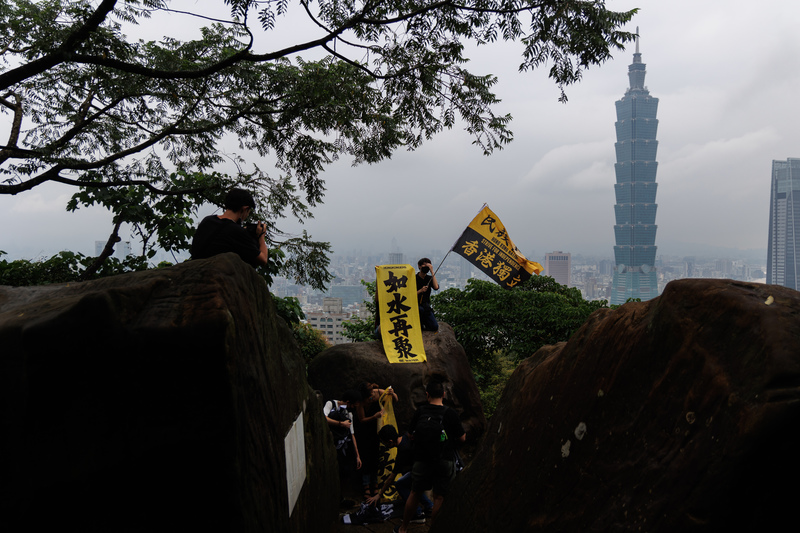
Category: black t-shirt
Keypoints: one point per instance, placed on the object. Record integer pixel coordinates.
(217, 235)
(450, 422)
(404, 459)
(425, 297)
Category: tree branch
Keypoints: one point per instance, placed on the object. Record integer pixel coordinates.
(108, 249)
(54, 176)
(16, 126)
(62, 53)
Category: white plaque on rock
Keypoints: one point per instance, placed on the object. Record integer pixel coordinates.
(295, 447)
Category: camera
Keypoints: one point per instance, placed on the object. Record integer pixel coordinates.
(252, 229)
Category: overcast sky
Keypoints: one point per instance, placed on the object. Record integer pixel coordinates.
(726, 77)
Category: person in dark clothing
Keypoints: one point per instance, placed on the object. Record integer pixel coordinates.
(432, 471)
(426, 283)
(403, 462)
(367, 413)
(339, 415)
(218, 234)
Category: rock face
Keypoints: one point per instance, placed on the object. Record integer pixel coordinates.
(344, 366)
(677, 414)
(156, 401)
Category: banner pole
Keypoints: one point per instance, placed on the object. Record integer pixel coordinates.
(440, 265)
(453, 247)
(459, 236)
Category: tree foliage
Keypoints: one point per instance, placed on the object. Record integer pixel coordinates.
(137, 126)
(312, 341)
(289, 309)
(489, 320)
(63, 267)
(359, 329)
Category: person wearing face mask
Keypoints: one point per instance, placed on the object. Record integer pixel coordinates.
(426, 282)
(218, 234)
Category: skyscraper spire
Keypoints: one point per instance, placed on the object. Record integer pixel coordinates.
(637, 69)
(635, 211)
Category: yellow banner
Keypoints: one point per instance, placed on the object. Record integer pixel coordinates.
(398, 312)
(387, 455)
(486, 244)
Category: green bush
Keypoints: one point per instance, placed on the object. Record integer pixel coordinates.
(62, 268)
(311, 341)
(499, 327)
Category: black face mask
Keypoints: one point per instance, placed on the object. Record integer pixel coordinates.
(425, 270)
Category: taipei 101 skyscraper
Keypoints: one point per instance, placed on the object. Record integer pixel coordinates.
(635, 210)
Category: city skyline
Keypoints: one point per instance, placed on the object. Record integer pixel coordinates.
(727, 110)
(591, 275)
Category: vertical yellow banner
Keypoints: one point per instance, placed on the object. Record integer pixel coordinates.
(386, 455)
(398, 312)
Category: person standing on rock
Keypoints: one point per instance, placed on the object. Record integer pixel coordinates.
(426, 283)
(436, 431)
(218, 234)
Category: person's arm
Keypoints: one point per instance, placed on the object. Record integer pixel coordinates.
(372, 500)
(434, 283)
(339, 423)
(326, 410)
(362, 417)
(358, 457)
(263, 252)
(391, 391)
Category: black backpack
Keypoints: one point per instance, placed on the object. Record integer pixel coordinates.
(429, 436)
(340, 434)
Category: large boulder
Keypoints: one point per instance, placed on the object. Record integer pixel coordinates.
(158, 401)
(344, 366)
(677, 414)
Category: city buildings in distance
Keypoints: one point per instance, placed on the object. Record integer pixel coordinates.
(592, 275)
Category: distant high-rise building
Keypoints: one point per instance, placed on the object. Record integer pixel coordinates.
(330, 320)
(348, 294)
(558, 265)
(635, 190)
(396, 258)
(121, 250)
(465, 268)
(783, 250)
(395, 255)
